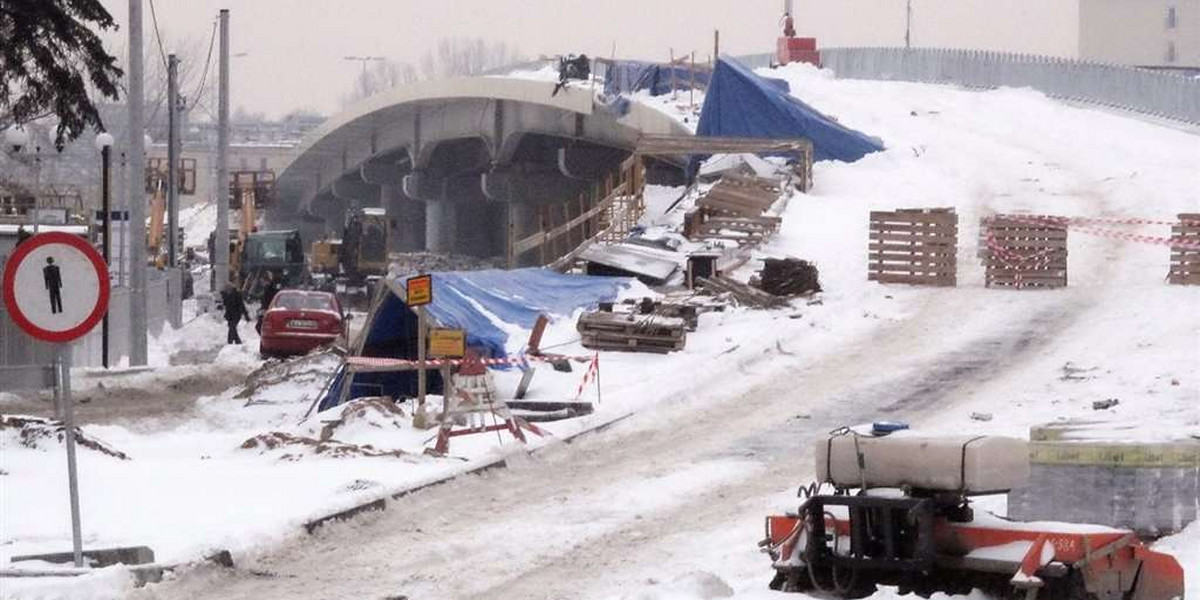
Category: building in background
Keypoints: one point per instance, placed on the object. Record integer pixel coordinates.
(1143, 33)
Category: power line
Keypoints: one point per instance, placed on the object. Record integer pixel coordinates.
(207, 61)
(157, 35)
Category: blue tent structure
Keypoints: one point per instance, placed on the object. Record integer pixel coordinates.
(476, 301)
(740, 103)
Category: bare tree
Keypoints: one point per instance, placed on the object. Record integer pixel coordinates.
(453, 57)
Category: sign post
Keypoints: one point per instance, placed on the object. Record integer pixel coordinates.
(419, 292)
(56, 289)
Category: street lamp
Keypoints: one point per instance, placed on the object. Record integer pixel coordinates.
(364, 60)
(104, 143)
(17, 137)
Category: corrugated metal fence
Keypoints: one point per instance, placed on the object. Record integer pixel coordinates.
(163, 299)
(1144, 91)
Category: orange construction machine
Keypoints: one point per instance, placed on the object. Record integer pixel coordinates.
(899, 513)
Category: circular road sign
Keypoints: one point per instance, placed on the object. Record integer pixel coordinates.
(56, 287)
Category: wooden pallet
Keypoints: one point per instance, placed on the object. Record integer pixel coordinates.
(915, 246)
(629, 332)
(1040, 249)
(1185, 263)
(741, 293)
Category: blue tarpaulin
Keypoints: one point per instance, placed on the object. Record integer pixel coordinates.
(473, 301)
(740, 103)
(628, 76)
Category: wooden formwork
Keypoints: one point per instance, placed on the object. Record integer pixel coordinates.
(1185, 263)
(1024, 252)
(917, 246)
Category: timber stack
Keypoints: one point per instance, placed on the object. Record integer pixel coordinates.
(631, 332)
(789, 277)
(734, 209)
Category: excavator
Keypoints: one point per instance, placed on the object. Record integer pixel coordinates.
(254, 253)
(361, 253)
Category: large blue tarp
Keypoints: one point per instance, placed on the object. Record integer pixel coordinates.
(480, 302)
(628, 76)
(740, 103)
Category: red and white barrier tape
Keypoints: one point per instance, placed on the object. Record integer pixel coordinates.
(592, 371)
(1083, 222)
(371, 361)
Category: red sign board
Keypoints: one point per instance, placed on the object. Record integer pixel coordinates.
(56, 287)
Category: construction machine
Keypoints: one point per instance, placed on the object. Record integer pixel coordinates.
(897, 510)
(254, 253)
(362, 252)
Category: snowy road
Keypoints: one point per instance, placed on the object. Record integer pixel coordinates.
(621, 506)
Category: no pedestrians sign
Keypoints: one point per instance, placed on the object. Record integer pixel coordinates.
(56, 287)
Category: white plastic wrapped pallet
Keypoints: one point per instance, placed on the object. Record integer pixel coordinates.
(1111, 474)
(970, 464)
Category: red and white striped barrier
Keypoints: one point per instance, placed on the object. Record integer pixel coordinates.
(593, 371)
(377, 362)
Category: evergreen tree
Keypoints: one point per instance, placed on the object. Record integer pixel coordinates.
(50, 58)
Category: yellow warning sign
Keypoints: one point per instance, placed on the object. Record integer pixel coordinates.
(419, 290)
(447, 343)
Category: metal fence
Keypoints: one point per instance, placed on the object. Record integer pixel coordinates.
(1144, 91)
(163, 306)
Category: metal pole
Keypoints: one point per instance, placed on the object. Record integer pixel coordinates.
(716, 44)
(137, 191)
(421, 357)
(173, 160)
(124, 212)
(908, 24)
(106, 204)
(62, 391)
(220, 260)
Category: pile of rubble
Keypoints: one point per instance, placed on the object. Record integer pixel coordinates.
(407, 263)
(36, 432)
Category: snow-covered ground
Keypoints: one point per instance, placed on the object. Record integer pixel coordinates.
(669, 503)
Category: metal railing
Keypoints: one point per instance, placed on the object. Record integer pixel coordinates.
(1146, 91)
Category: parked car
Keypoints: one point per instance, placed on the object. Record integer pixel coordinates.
(299, 321)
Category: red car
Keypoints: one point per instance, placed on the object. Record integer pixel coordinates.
(299, 321)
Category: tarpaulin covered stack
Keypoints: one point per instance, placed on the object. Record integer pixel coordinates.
(741, 103)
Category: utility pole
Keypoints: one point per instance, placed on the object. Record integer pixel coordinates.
(137, 191)
(908, 25)
(173, 160)
(221, 239)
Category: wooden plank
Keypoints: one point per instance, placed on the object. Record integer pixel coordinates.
(745, 194)
(737, 209)
(947, 280)
(1184, 279)
(1018, 245)
(755, 220)
(928, 240)
(891, 257)
(914, 217)
(913, 227)
(935, 248)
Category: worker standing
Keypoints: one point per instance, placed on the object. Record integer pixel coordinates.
(270, 288)
(235, 310)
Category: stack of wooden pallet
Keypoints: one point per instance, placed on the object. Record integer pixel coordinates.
(733, 210)
(631, 332)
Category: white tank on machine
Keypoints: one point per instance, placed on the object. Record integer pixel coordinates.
(970, 465)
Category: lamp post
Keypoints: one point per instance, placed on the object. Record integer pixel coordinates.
(104, 143)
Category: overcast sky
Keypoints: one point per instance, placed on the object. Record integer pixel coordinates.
(295, 48)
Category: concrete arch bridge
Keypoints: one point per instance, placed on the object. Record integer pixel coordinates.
(469, 165)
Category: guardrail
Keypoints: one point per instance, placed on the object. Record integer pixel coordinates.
(1145, 91)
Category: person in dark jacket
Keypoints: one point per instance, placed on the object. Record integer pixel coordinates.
(22, 234)
(270, 288)
(235, 310)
